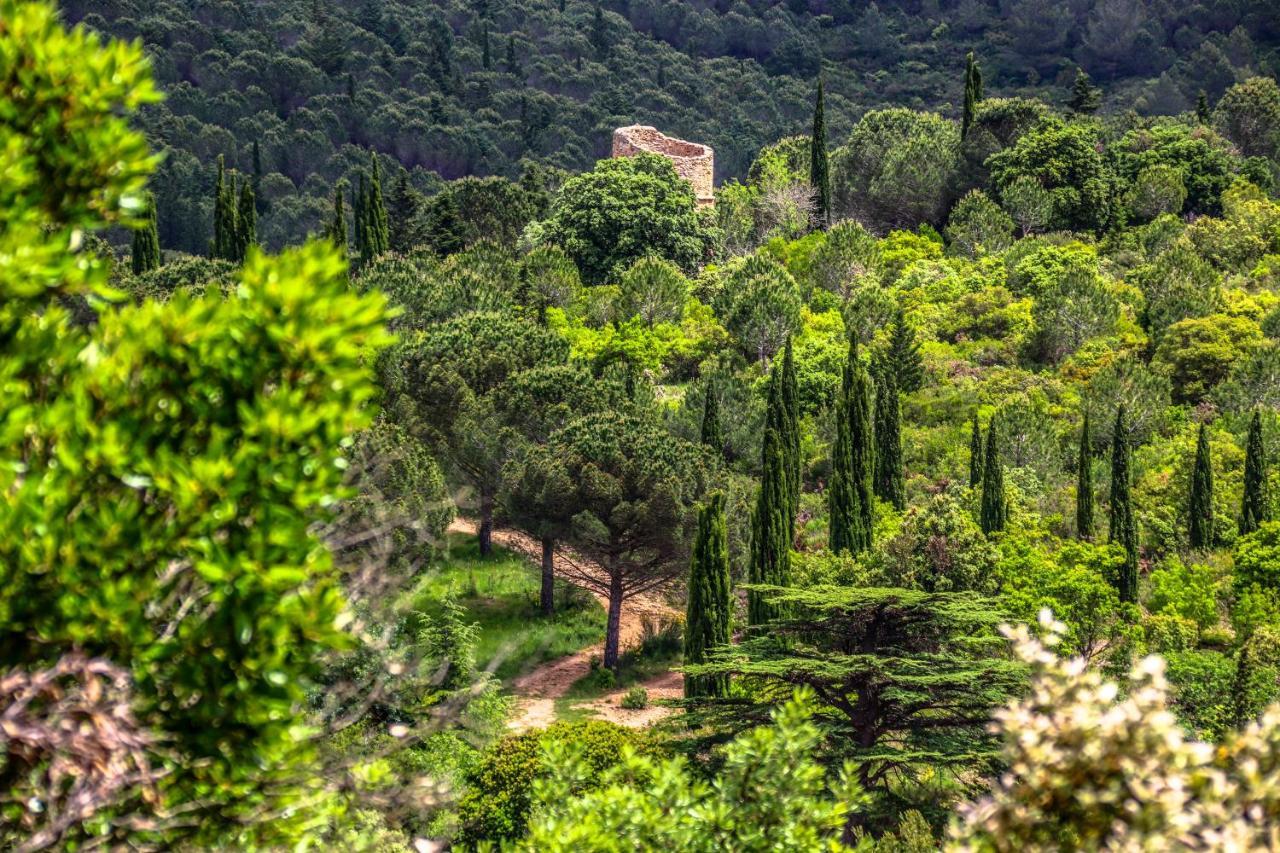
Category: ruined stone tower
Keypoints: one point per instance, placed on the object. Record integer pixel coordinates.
(694, 162)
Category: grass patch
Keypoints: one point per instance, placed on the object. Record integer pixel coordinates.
(501, 595)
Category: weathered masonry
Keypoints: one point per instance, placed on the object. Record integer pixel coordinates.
(694, 162)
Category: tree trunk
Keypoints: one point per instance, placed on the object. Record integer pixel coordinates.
(613, 628)
(485, 534)
(548, 576)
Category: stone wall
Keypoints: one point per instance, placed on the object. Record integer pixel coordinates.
(694, 162)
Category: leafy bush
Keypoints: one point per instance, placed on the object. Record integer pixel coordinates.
(635, 699)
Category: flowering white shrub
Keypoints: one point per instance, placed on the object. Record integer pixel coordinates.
(1089, 769)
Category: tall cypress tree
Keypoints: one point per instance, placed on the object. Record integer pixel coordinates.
(337, 230)
(889, 485)
(223, 236)
(1084, 484)
(1200, 524)
(994, 510)
(257, 176)
(377, 229)
(145, 253)
(972, 93)
(819, 166)
(246, 222)
(486, 60)
(359, 218)
(1124, 529)
(975, 454)
(771, 523)
(790, 426)
(904, 355)
(708, 618)
(853, 462)
(712, 435)
(1254, 506)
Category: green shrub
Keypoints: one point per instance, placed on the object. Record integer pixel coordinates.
(636, 699)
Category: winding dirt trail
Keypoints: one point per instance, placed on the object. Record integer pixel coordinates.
(537, 690)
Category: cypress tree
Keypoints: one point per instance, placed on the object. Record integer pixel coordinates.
(819, 166)
(246, 222)
(975, 454)
(1084, 484)
(145, 252)
(1124, 530)
(994, 510)
(972, 93)
(853, 462)
(257, 177)
(404, 206)
(712, 435)
(337, 231)
(377, 230)
(708, 617)
(223, 232)
(1200, 524)
(486, 61)
(790, 428)
(771, 530)
(888, 435)
(904, 355)
(359, 221)
(1254, 507)
(600, 34)
(1203, 116)
(1085, 97)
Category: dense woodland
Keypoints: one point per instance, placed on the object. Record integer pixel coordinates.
(936, 463)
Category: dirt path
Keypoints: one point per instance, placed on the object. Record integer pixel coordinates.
(537, 691)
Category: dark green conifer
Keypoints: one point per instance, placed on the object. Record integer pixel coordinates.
(377, 230)
(790, 426)
(257, 178)
(975, 454)
(771, 529)
(819, 166)
(888, 437)
(1200, 523)
(994, 509)
(1085, 97)
(1124, 529)
(224, 234)
(246, 222)
(1084, 483)
(337, 230)
(145, 252)
(1203, 114)
(404, 223)
(853, 462)
(359, 219)
(904, 355)
(1255, 506)
(445, 233)
(486, 61)
(600, 34)
(972, 93)
(712, 435)
(708, 618)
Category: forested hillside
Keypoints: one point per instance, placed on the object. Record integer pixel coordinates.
(447, 88)
(922, 493)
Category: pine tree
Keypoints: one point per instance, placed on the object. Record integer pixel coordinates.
(790, 428)
(889, 485)
(712, 435)
(246, 222)
(994, 510)
(444, 229)
(1084, 484)
(1085, 97)
(1200, 524)
(1203, 115)
(1254, 507)
(853, 461)
(904, 355)
(1124, 529)
(975, 454)
(819, 166)
(337, 230)
(144, 254)
(972, 93)
(404, 225)
(708, 618)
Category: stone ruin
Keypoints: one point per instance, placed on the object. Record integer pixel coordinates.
(694, 162)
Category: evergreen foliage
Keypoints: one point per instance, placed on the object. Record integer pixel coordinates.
(790, 428)
(904, 355)
(1200, 523)
(1255, 505)
(246, 222)
(1085, 97)
(1123, 528)
(145, 254)
(771, 522)
(889, 484)
(819, 165)
(1084, 482)
(972, 93)
(712, 433)
(975, 452)
(994, 513)
(709, 613)
(337, 230)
